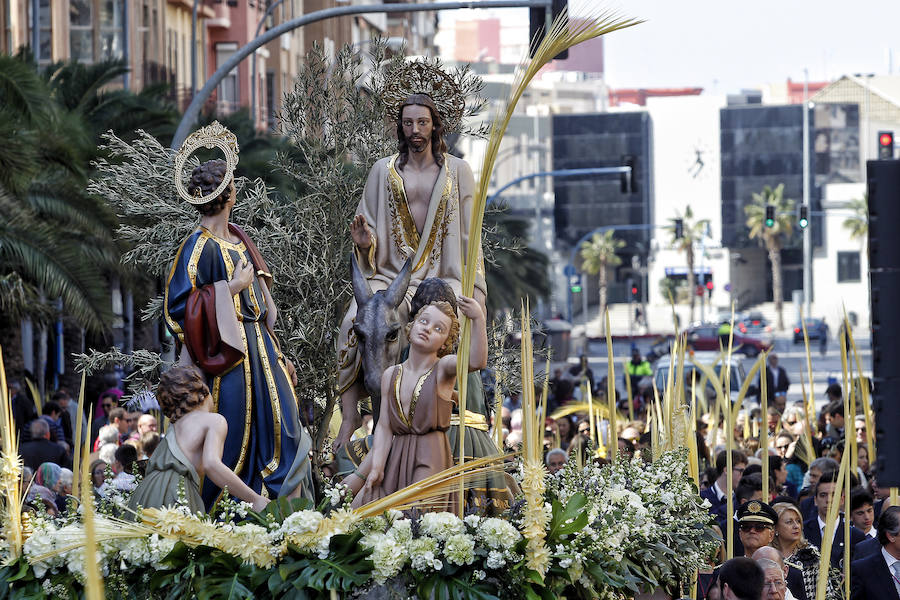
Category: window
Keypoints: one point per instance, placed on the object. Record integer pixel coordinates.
(44, 52)
(81, 30)
(848, 267)
(228, 90)
(111, 30)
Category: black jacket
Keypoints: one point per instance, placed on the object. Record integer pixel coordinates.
(870, 579)
(814, 536)
(36, 452)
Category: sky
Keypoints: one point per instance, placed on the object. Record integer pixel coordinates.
(724, 45)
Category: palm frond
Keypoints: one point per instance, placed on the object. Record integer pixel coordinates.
(434, 486)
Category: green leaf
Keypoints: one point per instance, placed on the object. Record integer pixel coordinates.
(441, 587)
(281, 509)
(568, 520)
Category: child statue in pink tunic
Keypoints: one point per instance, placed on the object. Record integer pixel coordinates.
(410, 443)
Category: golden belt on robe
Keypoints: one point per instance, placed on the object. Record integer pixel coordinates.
(474, 420)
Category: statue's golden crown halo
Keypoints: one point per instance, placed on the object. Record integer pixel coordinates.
(423, 77)
(214, 135)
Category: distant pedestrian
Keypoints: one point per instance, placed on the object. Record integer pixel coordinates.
(822, 332)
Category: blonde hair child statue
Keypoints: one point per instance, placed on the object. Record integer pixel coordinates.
(416, 401)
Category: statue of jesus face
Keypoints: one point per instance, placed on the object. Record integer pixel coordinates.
(417, 127)
(430, 330)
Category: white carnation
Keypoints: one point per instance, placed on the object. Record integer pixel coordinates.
(498, 533)
(495, 559)
(422, 553)
(388, 555)
(460, 549)
(441, 525)
(302, 522)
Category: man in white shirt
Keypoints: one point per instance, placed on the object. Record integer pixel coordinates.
(877, 576)
(862, 511)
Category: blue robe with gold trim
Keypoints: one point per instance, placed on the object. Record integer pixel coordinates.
(266, 444)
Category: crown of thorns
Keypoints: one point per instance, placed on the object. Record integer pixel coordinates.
(422, 77)
(214, 135)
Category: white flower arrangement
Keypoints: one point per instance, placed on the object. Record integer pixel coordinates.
(637, 521)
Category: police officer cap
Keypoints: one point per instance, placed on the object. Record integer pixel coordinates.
(756, 511)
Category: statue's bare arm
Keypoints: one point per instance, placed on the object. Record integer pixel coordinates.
(215, 469)
(383, 435)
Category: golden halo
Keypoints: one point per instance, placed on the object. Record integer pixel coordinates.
(421, 77)
(214, 135)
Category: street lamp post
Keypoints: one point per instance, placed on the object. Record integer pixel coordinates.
(193, 109)
(807, 233)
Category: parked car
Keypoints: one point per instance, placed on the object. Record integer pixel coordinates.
(814, 329)
(736, 376)
(755, 325)
(704, 337)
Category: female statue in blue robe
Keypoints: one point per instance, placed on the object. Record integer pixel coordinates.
(219, 307)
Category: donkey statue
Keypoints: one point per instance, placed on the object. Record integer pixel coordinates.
(379, 328)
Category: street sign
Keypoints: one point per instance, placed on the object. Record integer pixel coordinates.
(569, 270)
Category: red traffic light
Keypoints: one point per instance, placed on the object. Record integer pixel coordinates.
(634, 291)
(709, 285)
(886, 139)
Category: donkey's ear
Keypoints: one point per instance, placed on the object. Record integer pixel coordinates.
(361, 289)
(397, 291)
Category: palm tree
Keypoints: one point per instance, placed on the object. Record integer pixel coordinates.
(597, 255)
(772, 238)
(858, 223)
(691, 232)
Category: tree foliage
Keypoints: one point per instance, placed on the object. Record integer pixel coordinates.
(772, 238)
(858, 223)
(692, 231)
(597, 255)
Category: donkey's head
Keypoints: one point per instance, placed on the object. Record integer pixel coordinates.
(378, 326)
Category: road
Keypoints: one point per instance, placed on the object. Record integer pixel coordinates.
(826, 369)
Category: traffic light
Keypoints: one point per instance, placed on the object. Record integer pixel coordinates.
(537, 24)
(634, 293)
(885, 145)
(575, 284)
(803, 221)
(679, 229)
(770, 216)
(628, 181)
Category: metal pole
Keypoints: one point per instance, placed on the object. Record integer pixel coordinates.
(584, 315)
(194, 49)
(259, 25)
(193, 110)
(807, 232)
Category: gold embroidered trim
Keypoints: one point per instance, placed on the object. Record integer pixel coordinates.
(248, 401)
(237, 247)
(274, 399)
(195, 258)
(408, 419)
(473, 421)
(217, 385)
(402, 220)
(229, 273)
(173, 324)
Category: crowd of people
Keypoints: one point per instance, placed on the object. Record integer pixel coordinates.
(779, 534)
(121, 442)
(777, 538)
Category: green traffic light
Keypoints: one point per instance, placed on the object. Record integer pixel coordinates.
(770, 222)
(803, 223)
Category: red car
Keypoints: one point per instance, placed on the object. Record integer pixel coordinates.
(704, 337)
